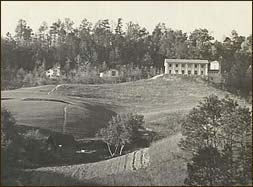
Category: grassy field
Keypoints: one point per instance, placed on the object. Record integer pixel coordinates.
(161, 164)
(164, 102)
(36, 108)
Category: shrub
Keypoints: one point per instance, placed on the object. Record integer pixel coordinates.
(7, 123)
(33, 134)
(11, 142)
(218, 124)
(206, 168)
(122, 129)
(29, 80)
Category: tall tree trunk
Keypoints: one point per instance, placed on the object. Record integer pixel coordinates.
(109, 149)
(121, 149)
(115, 150)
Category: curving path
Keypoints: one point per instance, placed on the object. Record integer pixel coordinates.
(65, 119)
(55, 88)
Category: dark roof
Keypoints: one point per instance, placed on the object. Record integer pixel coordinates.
(187, 61)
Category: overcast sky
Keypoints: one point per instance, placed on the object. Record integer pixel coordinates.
(218, 17)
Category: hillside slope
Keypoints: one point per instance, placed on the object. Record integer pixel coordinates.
(149, 166)
(34, 107)
(82, 109)
(163, 102)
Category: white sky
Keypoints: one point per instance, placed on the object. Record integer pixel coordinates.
(218, 17)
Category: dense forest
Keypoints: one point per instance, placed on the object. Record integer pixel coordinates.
(83, 51)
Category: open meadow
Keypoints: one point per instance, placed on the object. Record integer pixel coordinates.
(126, 93)
(81, 110)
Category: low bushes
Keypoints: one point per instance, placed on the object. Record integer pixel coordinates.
(37, 77)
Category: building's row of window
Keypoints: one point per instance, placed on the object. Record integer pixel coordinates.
(189, 72)
(189, 65)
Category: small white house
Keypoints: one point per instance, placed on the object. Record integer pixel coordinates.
(109, 74)
(54, 72)
(214, 73)
(214, 66)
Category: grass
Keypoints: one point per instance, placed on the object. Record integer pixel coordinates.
(35, 108)
(168, 164)
(167, 167)
(163, 102)
(36, 114)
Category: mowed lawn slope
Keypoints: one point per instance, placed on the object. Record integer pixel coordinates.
(161, 164)
(34, 107)
(163, 102)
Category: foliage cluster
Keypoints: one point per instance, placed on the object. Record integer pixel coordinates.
(122, 130)
(105, 45)
(218, 133)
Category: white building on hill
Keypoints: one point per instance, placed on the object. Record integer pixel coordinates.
(211, 70)
(112, 73)
(54, 72)
(186, 67)
(214, 66)
(214, 72)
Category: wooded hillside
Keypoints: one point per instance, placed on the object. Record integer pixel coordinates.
(90, 48)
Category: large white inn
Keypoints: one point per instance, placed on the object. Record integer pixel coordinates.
(186, 67)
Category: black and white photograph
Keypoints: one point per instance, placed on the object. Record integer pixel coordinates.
(126, 93)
